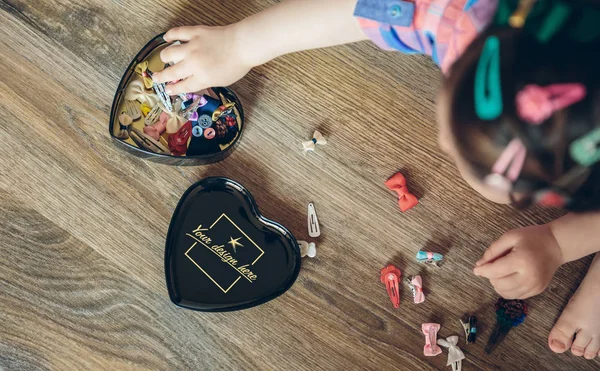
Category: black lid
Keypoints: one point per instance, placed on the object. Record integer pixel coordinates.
(222, 255)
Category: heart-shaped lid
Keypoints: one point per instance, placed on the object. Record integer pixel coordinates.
(222, 254)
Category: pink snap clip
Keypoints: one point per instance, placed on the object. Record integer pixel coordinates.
(430, 331)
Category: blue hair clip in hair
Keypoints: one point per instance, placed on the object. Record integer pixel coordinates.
(488, 90)
(586, 150)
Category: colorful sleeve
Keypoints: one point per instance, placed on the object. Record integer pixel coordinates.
(379, 17)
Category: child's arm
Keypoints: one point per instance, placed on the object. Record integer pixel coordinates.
(219, 56)
(578, 235)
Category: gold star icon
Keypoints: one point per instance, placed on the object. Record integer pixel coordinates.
(234, 243)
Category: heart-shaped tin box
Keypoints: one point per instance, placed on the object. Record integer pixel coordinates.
(189, 129)
(222, 254)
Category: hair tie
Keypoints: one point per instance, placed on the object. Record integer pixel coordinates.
(488, 87)
(535, 104)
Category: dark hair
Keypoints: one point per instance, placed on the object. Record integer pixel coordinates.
(569, 55)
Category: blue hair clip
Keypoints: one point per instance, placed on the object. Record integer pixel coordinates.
(488, 92)
(586, 150)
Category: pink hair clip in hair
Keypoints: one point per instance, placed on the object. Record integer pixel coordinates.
(508, 166)
(535, 103)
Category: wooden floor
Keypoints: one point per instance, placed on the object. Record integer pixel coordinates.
(84, 224)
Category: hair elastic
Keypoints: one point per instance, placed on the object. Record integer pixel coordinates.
(508, 166)
(488, 92)
(535, 104)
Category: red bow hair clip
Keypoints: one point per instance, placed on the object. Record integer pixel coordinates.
(406, 200)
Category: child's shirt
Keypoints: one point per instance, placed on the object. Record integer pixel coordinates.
(442, 29)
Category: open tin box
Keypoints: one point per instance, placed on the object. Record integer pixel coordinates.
(211, 138)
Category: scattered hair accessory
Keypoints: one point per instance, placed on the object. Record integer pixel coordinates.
(470, 327)
(508, 167)
(488, 87)
(518, 18)
(535, 104)
(455, 355)
(136, 91)
(509, 314)
(390, 276)
(428, 257)
(430, 331)
(133, 109)
(311, 145)
(586, 150)
(155, 130)
(307, 249)
(142, 70)
(406, 200)
(121, 131)
(313, 222)
(416, 286)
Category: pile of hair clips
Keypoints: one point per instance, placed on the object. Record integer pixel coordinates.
(191, 124)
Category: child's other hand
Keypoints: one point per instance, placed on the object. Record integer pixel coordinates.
(522, 262)
(206, 57)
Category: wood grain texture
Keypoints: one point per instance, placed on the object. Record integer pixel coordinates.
(84, 224)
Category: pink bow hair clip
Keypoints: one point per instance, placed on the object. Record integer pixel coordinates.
(155, 130)
(508, 167)
(535, 103)
(430, 331)
(416, 286)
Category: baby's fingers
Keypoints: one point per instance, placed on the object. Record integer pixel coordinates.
(500, 268)
(176, 72)
(499, 248)
(188, 85)
(179, 34)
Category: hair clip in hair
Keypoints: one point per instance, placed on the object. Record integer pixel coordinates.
(535, 103)
(488, 87)
(586, 150)
(508, 167)
(518, 18)
(390, 276)
(551, 198)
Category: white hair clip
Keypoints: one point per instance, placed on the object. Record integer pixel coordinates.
(310, 145)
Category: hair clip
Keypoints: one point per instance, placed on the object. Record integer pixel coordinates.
(416, 286)
(488, 87)
(535, 104)
(307, 249)
(554, 21)
(470, 327)
(509, 314)
(455, 355)
(157, 128)
(153, 115)
(432, 258)
(146, 142)
(160, 90)
(406, 200)
(390, 276)
(586, 150)
(142, 70)
(135, 91)
(508, 167)
(121, 130)
(223, 109)
(178, 142)
(132, 108)
(145, 110)
(313, 222)
(517, 19)
(311, 145)
(430, 331)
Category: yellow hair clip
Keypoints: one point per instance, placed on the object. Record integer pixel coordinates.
(518, 18)
(142, 70)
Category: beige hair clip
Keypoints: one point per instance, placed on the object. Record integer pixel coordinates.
(135, 91)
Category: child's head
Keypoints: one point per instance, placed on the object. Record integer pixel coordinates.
(520, 110)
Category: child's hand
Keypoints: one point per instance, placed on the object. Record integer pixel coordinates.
(207, 57)
(522, 262)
